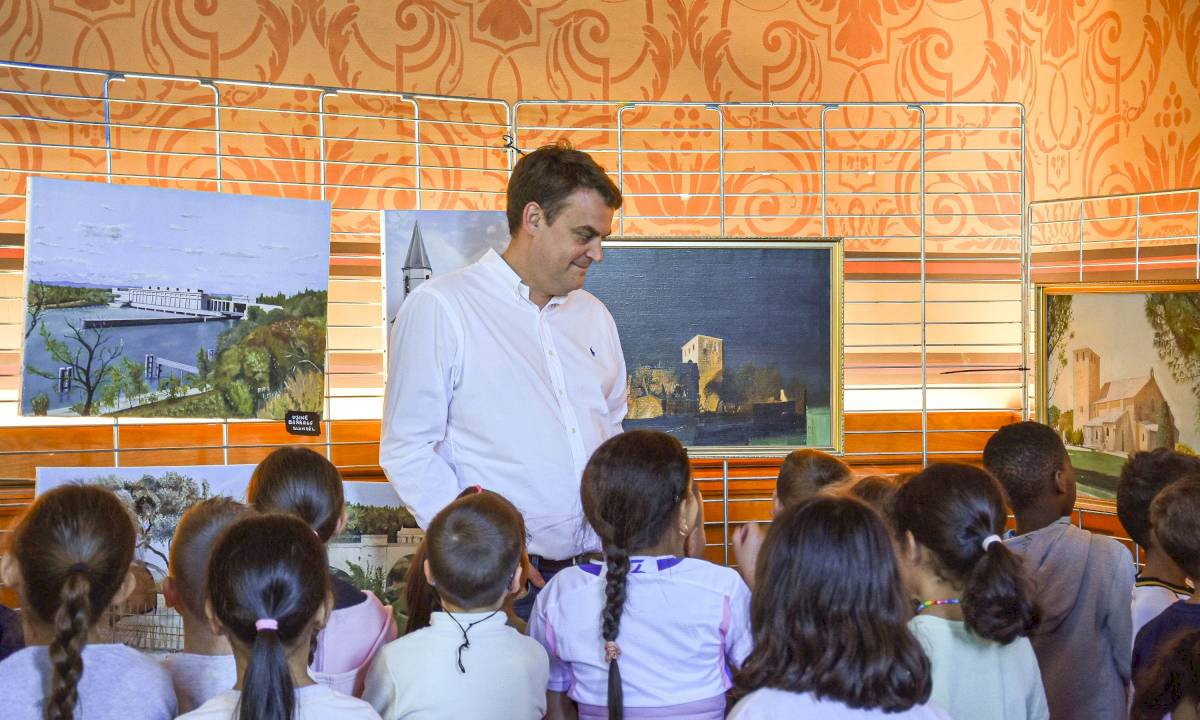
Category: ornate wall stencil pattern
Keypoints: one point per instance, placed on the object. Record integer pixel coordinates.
(1094, 74)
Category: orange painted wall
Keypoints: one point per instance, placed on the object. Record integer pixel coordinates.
(1111, 86)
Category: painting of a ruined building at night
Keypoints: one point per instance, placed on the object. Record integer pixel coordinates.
(173, 303)
(420, 244)
(1120, 374)
(724, 346)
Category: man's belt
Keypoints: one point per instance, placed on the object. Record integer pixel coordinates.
(544, 564)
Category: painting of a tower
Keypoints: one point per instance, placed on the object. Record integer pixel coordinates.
(416, 266)
(708, 354)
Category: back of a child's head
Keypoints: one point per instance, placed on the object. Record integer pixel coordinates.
(192, 545)
(268, 584)
(875, 490)
(1143, 475)
(473, 547)
(73, 550)
(1024, 456)
(633, 488)
(301, 482)
(1175, 518)
(1171, 680)
(827, 572)
(956, 512)
(805, 472)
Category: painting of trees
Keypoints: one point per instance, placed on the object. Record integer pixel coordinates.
(1175, 320)
(157, 503)
(1059, 317)
(87, 354)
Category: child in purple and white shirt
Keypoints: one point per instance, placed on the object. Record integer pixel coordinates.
(650, 630)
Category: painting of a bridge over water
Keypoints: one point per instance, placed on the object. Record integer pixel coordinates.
(155, 302)
(732, 346)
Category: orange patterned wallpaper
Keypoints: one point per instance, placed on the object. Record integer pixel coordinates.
(1111, 86)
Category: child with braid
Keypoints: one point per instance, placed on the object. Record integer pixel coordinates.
(650, 632)
(70, 561)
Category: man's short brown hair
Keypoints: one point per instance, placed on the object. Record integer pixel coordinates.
(551, 174)
(1175, 519)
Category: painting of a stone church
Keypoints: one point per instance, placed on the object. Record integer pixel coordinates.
(1126, 415)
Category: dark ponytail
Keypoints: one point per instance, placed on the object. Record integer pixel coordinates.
(632, 491)
(302, 482)
(952, 510)
(267, 581)
(73, 549)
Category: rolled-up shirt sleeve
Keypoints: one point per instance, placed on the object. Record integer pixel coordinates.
(423, 368)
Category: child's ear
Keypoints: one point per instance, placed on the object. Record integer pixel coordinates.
(341, 523)
(211, 616)
(909, 549)
(128, 585)
(776, 506)
(326, 611)
(171, 593)
(429, 574)
(10, 573)
(514, 583)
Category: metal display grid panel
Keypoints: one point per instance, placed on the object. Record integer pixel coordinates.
(928, 197)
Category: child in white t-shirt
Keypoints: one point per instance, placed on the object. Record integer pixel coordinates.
(975, 607)
(206, 667)
(269, 593)
(650, 630)
(467, 663)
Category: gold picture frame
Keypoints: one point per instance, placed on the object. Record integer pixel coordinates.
(1110, 424)
(713, 248)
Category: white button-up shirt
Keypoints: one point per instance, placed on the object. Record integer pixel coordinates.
(485, 388)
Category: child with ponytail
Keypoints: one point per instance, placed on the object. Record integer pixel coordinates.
(269, 593)
(70, 561)
(301, 482)
(974, 606)
(647, 632)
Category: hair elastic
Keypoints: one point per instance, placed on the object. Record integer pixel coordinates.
(989, 540)
(79, 568)
(612, 651)
(931, 603)
(266, 624)
(478, 489)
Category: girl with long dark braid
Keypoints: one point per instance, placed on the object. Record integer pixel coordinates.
(70, 560)
(650, 632)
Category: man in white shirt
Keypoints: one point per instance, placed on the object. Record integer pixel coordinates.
(507, 374)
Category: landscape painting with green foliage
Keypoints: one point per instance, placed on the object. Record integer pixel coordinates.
(157, 497)
(1121, 374)
(151, 302)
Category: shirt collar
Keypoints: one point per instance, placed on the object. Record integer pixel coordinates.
(442, 621)
(511, 280)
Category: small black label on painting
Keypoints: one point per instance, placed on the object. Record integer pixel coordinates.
(302, 423)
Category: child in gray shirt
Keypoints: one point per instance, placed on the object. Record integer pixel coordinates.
(70, 561)
(206, 667)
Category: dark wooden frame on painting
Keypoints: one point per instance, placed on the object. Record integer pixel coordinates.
(734, 346)
(1119, 411)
